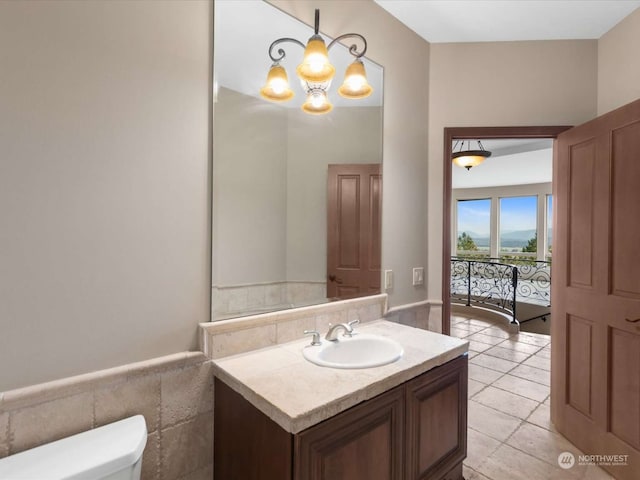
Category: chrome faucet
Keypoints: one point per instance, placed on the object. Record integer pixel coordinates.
(332, 334)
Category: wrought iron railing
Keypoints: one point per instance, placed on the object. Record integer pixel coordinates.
(501, 285)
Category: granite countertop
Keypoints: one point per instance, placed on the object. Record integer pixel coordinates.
(298, 394)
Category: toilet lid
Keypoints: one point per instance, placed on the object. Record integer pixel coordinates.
(88, 455)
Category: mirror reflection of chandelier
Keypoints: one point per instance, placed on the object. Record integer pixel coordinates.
(469, 158)
(316, 72)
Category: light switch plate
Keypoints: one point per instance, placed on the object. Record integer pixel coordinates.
(388, 279)
(418, 276)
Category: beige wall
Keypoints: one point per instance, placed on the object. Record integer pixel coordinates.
(619, 64)
(405, 57)
(512, 83)
(104, 173)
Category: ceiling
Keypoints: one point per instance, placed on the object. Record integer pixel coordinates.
(441, 21)
(244, 31)
(512, 162)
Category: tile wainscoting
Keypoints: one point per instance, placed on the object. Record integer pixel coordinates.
(174, 393)
(239, 335)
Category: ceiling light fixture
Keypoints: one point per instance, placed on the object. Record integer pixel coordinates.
(316, 72)
(469, 158)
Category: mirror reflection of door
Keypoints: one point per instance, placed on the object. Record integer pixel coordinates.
(354, 200)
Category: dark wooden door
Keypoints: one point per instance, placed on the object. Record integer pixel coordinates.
(365, 442)
(437, 422)
(596, 288)
(354, 200)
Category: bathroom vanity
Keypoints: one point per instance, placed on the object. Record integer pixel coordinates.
(278, 416)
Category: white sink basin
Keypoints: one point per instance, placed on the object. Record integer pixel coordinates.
(360, 351)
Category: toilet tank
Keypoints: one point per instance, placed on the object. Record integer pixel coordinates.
(111, 452)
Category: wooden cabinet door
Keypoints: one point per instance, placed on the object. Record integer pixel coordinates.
(363, 443)
(595, 353)
(437, 422)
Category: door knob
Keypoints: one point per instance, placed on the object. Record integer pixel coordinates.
(632, 321)
(333, 278)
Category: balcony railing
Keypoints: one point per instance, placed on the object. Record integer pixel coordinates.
(501, 285)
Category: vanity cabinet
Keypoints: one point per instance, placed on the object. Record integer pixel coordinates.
(415, 431)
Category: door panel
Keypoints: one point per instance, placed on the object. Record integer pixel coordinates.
(595, 375)
(579, 363)
(354, 196)
(625, 192)
(625, 386)
(582, 163)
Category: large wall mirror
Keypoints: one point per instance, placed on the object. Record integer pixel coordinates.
(272, 163)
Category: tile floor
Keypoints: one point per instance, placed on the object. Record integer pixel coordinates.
(510, 435)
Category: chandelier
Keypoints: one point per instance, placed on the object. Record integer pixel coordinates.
(469, 158)
(316, 72)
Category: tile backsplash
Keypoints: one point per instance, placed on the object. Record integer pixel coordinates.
(174, 393)
(238, 335)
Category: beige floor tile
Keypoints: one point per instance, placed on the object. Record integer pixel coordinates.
(507, 354)
(494, 363)
(482, 338)
(479, 447)
(506, 402)
(541, 417)
(526, 388)
(482, 322)
(538, 361)
(537, 339)
(491, 422)
(545, 353)
(472, 354)
(596, 473)
(531, 373)
(542, 444)
(473, 475)
(474, 387)
(468, 327)
(482, 374)
(458, 333)
(513, 344)
(507, 463)
(478, 346)
(496, 332)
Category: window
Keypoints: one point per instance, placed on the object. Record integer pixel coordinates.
(518, 235)
(473, 228)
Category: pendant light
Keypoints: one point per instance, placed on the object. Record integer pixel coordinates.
(469, 158)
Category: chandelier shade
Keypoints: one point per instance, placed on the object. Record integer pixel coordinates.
(277, 87)
(355, 83)
(316, 72)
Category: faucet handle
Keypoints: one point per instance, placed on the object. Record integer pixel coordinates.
(315, 341)
(349, 331)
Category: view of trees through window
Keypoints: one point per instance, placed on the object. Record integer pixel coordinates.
(518, 226)
(474, 227)
(518, 235)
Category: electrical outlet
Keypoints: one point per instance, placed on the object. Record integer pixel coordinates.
(388, 279)
(418, 276)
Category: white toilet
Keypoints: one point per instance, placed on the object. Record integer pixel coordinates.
(111, 452)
